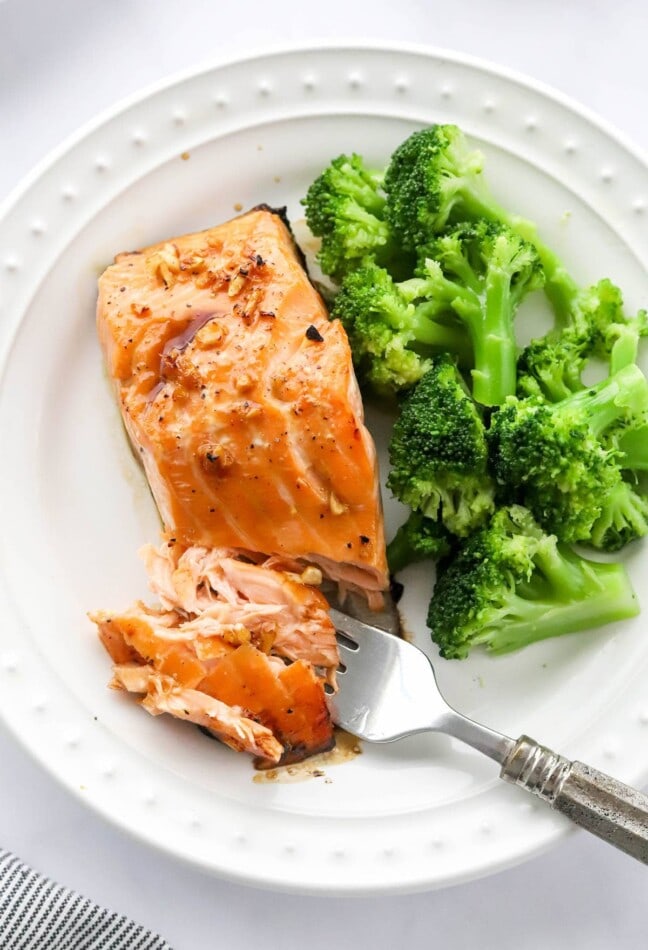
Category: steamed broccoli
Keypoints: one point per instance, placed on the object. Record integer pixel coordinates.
(345, 207)
(481, 272)
(511, 584)
(561, 459)
(434, 178)
(393, 329)
(418, 539)
(438, 452)
(624, 517)
(552, 366)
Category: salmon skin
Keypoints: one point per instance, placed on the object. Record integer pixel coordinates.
(239, 396)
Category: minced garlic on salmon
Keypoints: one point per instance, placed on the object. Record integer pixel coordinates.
(239, 395)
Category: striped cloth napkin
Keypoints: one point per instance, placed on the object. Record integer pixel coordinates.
(37, 914)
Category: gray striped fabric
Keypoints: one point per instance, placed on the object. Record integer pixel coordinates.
(37, 914)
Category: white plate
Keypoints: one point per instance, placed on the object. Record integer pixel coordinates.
(425, 811)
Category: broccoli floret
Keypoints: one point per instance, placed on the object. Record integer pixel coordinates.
(392, 334)
(552, 366)
(624, 517)
(434, 178)
(481, 272)
(438, 452)
(511, 584)
(345, 207)
(418, 539)
(561, 460)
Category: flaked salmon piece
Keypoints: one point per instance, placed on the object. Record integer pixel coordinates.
(239, 396)
(291, 704)
(144, 633)
(267, 601)
(162, 694)
(216, 653)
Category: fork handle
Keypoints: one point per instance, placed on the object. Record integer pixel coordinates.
(609, 809)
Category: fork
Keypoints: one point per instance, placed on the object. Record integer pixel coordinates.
(388, 690)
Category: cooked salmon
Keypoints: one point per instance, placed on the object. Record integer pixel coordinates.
(273, 605)
(239, 395)
(222, 632)
(161, 694)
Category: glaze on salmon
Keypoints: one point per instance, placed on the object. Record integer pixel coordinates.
(239, 395)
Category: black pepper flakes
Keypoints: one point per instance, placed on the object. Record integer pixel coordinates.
(312, 333)
(364, 539)
(259, 261)
(349, 544)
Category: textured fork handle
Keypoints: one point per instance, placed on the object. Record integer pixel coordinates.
(615, 812)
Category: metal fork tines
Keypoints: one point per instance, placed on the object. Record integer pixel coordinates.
(388, 690)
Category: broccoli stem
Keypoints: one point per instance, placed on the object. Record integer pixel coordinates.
(609, 598)
(633, 444)
(494, 373)
(568, 575)
(446, 338)
(420, 322)
(495, 354)
(560, 288)
(611, 399)
(624, 349)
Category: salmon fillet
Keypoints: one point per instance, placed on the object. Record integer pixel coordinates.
(239, 395)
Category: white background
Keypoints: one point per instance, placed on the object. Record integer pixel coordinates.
(62, 61)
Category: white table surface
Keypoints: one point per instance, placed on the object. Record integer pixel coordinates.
(62, 61)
